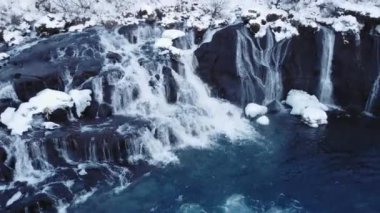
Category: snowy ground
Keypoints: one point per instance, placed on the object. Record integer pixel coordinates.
(21, 19)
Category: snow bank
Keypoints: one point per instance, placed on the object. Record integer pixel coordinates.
(253, 110)
(45, 102)
(313, 112)
(282, 17)
(263, 120)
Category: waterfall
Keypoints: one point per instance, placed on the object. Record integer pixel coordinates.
(325, 84)
(159, 105)
(141, 90)
(258, 62)
(374, 95)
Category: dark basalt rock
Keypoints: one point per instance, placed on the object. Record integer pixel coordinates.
(301, 65)
(105, 110)
(171, 87)
(355, 66)
(217, 65)
(272, 17)
(355, 69)
(255, 27)
(6, 173)
(3, 155)
(114, 57)
(59, 116)
(44, 64)
(275, 107)
(36, 203)
(5, 103)
(128, 32)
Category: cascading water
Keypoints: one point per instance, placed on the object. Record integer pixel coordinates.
(327, 55)
(145, 77)
(376, 85)
(159, 106)
(258, 62)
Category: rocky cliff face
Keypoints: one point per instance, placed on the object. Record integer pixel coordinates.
(354, 65)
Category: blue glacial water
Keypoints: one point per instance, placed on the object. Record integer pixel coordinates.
(290, 168)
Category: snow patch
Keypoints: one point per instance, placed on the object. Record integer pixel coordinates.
(253, 110)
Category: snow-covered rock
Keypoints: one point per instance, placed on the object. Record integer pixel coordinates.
(82, 99)
(50, 125)
(313, 112)
(253, 110)
(300, 100)
(173, 34)
(263, 120)
(45, 102)
(13, 37)
(166, 41)
(314, 116)
(3, 56)
(347, 23)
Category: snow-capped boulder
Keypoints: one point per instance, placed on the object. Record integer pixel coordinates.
(300, 100)
(313, 112)
(263, 120)
(347, 23)
(173, 34)
(253, 110)
(314, 116)
(166, 41)
(50, 24)
(82, 99)
(45, 103)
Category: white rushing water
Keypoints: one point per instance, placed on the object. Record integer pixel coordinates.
(258, 62)
(376, 85)
(145, 86)
(325, 84)
(192, 120)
